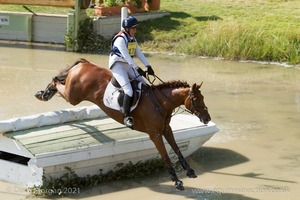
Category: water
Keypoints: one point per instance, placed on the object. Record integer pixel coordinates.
(256, 154)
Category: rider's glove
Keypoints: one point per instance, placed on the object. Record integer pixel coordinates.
(140, 71)
(150, 70)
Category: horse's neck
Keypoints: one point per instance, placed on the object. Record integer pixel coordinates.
(181, 94)
(175, 97)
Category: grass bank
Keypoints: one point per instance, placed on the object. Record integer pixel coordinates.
(262, 30)
(267, 30)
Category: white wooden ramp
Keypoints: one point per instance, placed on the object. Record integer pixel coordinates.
(85, 146)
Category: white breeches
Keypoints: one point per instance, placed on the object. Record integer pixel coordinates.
(123, 72)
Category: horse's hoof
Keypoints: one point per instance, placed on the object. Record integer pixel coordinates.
(191, 173)
(39, 95)
(179, 185)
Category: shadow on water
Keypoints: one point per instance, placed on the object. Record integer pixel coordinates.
(205, 194)
(211, 159)
(254, 175)
(207, 158)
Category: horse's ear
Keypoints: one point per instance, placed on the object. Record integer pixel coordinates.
(199, 86)
(194, 87)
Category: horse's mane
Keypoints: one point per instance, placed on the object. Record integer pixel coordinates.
(171, 84)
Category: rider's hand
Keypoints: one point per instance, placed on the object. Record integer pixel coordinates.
(140, 71)
(150, 70)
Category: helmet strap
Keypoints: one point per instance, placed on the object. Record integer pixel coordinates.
(127, 30)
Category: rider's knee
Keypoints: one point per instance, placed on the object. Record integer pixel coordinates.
(128, 91)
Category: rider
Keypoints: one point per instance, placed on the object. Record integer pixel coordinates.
(122, 65)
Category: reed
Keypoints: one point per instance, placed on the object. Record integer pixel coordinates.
(239, 42)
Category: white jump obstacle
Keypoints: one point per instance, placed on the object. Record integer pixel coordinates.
(85, 140)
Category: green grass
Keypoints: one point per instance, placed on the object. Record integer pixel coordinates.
(264, 30)
(232, 29)
(35, 9)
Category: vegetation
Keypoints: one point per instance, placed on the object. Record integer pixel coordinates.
(70, 183)
(262, 30)
(109, 3)
(88, 41)
(234, 29)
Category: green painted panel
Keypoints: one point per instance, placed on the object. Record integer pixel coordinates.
(15, 23)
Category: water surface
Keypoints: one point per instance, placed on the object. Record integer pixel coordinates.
(256, 154)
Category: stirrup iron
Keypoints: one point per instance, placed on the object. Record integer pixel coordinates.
(128, 121)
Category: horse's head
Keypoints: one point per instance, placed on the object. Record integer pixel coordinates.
(195, 103)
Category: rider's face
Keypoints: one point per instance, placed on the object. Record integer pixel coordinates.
(132, 31)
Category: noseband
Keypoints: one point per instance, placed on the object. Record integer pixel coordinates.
(193, 102)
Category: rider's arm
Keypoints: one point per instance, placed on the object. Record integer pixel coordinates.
(121, 45)
(141, 56)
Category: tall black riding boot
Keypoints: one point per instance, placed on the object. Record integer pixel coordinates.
(128, 120)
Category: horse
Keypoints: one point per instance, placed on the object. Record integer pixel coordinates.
(86, 81)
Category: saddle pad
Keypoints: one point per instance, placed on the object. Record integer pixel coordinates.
(111, 95)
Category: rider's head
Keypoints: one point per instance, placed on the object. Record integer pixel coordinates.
(129, 24)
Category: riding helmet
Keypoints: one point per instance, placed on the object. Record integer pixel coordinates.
(130, 22)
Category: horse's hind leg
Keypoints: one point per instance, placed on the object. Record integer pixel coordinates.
(160, 146)
(60, 88)
(47, 94)
(171, 140)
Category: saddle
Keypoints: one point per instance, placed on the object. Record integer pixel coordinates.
(114, 94)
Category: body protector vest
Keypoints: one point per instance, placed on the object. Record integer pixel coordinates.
(130, 43)
(124, 51)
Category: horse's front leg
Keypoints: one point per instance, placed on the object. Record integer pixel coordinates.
(171, 140)
(160, 146)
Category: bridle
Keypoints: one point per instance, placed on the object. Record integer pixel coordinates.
(193, 103)
(191, 96)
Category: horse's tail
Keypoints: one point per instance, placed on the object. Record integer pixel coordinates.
(61, 77)
(50, 91)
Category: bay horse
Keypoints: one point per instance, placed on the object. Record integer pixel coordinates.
(87, 81)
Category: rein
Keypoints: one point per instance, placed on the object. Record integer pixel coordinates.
(191, 95)
(155, 77)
